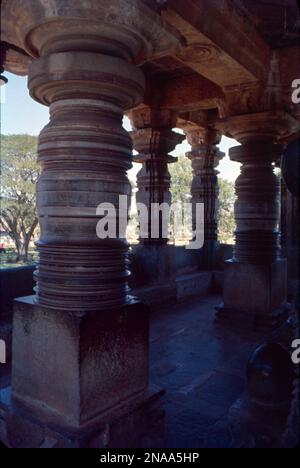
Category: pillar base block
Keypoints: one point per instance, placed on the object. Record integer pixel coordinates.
(207, 255)
(255, 295)
(139, 426)
(79, 374)
(251, 321)
(153, 264)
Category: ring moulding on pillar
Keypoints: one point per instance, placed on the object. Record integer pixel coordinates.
(84, 154)
(83, 69)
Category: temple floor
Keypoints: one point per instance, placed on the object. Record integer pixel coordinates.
(202, 366)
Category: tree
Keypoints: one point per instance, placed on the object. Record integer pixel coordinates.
(226, 221)
(182, 176)
(19, 173)
(181, 180)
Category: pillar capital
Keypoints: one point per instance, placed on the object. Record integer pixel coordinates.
(262, 126)
(77, 75)
(204, 154)
(152, 116)
(153, 136)
(155, 144)
(127, 29)
(201, 136)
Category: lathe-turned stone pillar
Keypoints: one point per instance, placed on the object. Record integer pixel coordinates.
(290, 216)
(153, 138)
(256, 278)
(80, 346)
(205, 157)
(84, 154)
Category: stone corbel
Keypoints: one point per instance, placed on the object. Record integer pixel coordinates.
(256, 96)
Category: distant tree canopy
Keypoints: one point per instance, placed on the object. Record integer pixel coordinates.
(226, 221)
(181, 180)
(19, 173)
(182, 176)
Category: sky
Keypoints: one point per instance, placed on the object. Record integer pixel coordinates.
(21, 114)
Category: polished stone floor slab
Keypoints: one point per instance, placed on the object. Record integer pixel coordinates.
(202, 367)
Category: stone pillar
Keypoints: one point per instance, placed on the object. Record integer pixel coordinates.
(84, 154)
(153, 138)
(256, 277)
(205, 157)
(290, 241)
(290, 214)
(283, 216)
(80, 346)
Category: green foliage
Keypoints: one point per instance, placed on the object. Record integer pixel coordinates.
(182, 176)
(181, 180)
(19, 173)
(226, 221)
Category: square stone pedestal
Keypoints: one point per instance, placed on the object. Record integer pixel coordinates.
(153, 264)
(79, 379)
(207, 255)
(255, 295)
(153, 273)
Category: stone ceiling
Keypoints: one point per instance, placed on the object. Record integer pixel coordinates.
(226, 46)
(277, 20)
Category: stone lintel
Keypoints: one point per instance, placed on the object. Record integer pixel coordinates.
(217, 31)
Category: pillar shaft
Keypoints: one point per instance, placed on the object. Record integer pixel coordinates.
(205, 157)
(83, 68)
(84, 154)
(283, 216)
(257, 209)
(153, 139)
(290, 239)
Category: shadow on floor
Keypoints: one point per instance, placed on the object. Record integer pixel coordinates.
(201, 365)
